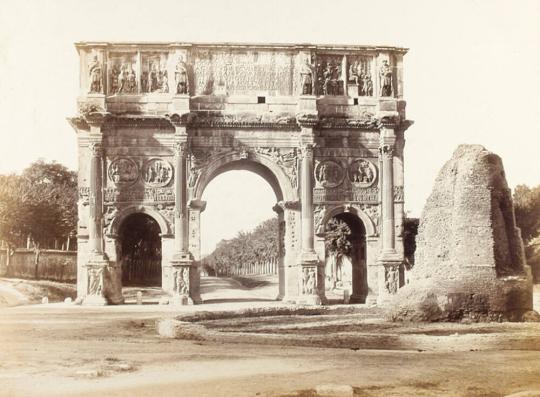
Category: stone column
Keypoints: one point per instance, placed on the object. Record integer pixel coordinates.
(311, 286)
(96, 266)
(390, 260)
(183, 273)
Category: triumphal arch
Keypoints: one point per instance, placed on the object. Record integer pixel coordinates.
(322, 124)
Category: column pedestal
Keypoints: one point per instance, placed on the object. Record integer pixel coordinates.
(96, 281)
(388, 277)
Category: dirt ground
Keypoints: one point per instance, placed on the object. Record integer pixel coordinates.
(67, 350)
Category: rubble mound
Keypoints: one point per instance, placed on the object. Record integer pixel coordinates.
(469, 260)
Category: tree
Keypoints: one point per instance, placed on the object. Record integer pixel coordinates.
(527, 210)
(41, 203)
(337, 245)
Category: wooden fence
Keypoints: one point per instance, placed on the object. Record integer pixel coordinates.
(52, 265)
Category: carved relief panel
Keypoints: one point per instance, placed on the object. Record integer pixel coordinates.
(157, 172)
(362, 173)
(122, 73)
(123, 171)
(154, 74)
(360, 74)
(343, 178)
(329, 71)
(329, 173)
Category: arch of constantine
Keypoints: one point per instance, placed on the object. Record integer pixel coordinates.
(323, 125)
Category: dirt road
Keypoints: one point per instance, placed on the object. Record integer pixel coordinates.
(67, 350)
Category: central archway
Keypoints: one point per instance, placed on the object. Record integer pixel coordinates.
(267, 266)
(139, 250)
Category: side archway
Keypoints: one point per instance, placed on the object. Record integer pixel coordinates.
(117, 221)
(369, 225)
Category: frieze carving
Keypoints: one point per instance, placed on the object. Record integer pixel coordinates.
(95, 72)
(329, 174)
(157, 172)
(149, 194)
(362, 173)
(398, 193)
(367, 122)
(276, 121)
(368, 194)
(309, 280)
(329, 78)
(385, 75)
(123, 171)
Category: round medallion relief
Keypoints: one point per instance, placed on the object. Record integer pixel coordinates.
(362, 173)
(157, 172)
(329, 173)
(123, 171)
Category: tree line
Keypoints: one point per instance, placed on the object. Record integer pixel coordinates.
(39, 206)
(258, 246)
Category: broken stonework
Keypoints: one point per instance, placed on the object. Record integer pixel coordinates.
(469, 260)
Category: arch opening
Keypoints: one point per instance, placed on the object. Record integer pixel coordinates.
(240, 210)
(139, 250)
(346, 269)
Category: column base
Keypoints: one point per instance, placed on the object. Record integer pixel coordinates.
(94, 300)
(181, 300)
(311, 300)
(183, 280)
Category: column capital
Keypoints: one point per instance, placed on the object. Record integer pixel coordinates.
(197, 205)
(96, 149)
(386, 150)
(306, 150)
(180, 148)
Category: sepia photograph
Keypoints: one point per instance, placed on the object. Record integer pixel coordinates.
(247, 198)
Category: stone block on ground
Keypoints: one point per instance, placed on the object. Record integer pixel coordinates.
(332, 390)
(469, 260)
(174, 329)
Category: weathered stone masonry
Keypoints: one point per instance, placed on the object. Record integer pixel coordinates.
(324, 125)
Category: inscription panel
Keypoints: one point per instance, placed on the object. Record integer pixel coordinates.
(242, 72)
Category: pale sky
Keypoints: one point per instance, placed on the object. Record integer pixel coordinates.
(472, 74)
